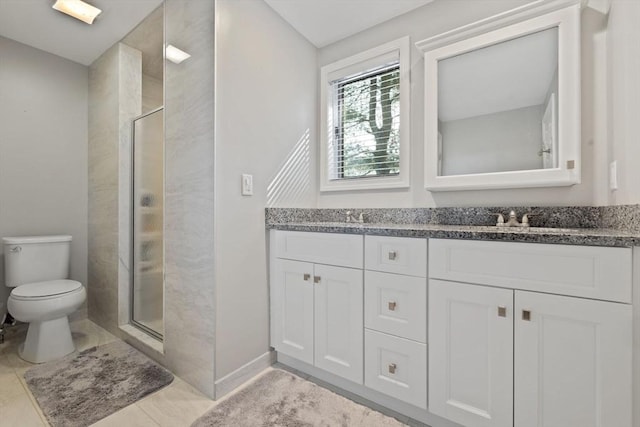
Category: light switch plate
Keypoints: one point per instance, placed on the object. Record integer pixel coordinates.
(613, 175)
(247, 184)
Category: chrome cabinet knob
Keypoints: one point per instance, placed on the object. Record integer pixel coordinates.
(392, 368)
(393, 255)
(392, 305)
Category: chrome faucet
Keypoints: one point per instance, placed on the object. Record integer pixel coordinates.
(513, 220)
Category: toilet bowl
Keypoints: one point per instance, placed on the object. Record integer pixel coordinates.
(37, 269)
(45, 306)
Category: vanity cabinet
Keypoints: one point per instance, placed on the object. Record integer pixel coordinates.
(317, 309)
(395, 301)
(480, 333)
(503, 356)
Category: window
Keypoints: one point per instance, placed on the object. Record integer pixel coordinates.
(365, 120)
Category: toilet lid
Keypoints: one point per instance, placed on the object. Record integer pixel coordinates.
(46, 289)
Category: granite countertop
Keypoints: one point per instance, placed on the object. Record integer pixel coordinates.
(567, 236)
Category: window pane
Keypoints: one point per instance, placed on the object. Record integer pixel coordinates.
(367, 131)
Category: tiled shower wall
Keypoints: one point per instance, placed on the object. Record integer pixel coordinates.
(115, 99)
(189, 145)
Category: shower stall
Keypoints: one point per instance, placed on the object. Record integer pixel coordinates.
(147, 223)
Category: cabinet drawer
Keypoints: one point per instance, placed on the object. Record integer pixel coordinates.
(397, 367)
(322, 248)
(583, 271)
(402, 255)
(396, 304)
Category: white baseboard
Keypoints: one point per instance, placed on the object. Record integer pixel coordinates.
(231, 381)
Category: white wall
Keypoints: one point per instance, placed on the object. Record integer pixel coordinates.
(497, 142)
(623, 43)
(265, 126)
(43, 150)
(441, 16)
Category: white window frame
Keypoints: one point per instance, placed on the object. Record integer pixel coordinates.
(361, 62)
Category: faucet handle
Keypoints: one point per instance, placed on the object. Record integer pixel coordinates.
(500, 221)
(525, 218)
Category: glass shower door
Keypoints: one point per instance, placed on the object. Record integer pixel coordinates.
(147, 288)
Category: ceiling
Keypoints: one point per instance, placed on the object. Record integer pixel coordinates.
(35, 23)
(505, 76)
(324, 22)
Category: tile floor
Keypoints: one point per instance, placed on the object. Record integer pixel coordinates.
(176, 405)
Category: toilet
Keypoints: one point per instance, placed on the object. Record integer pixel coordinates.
(37, 269)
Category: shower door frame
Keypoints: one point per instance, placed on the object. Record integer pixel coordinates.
(132, 270)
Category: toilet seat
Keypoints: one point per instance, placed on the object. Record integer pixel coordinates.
(45, 290)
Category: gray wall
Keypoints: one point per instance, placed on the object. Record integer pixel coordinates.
(43, 150)
(265, 126)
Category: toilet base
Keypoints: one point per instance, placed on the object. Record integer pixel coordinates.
(47, 340)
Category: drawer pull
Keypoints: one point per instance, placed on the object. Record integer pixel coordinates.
(526, 315)
(316, 279)
(393, 255)
(307, 276)
(502, 311)
(392, 368)
(392, 305)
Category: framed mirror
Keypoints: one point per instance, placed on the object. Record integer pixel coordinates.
(502, 107)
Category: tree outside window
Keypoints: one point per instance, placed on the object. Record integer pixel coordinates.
(367, 128)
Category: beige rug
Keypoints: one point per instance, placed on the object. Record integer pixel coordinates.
(281, 399)
(82, 388)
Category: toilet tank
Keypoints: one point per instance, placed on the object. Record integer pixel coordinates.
(35, 259)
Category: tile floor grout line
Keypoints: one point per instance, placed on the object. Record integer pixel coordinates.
(146, 414)
(32, 399)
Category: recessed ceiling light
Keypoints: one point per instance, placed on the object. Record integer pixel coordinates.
(78, 9)
(175, 55)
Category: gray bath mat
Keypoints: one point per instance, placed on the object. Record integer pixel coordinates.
(82, 388)
(279, 398)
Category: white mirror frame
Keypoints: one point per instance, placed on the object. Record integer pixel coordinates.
(483, 34)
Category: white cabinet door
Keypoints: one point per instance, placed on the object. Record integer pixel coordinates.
(292, 305)
(572, 362)
(339, 325)
(471, 354)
